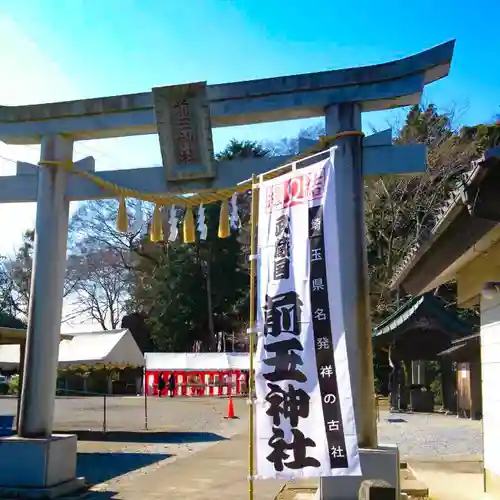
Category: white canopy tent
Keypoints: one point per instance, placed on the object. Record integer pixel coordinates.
(202, 361)
(109, 347)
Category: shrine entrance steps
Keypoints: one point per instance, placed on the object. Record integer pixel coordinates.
(306, 489)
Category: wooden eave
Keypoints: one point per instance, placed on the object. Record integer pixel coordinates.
(470, 216)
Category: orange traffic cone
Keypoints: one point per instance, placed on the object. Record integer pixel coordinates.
(230, 409)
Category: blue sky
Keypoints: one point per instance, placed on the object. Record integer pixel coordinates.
(122, 46)
(69, 49)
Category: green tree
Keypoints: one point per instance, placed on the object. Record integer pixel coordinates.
(168, 289)
(400, 211)
(190, 292)
(242, 149)
(172, 288)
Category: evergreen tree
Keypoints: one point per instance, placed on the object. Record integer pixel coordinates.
(189, 291)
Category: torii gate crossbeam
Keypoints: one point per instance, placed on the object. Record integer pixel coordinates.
(383, 86)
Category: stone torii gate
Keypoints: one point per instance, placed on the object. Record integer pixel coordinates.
(183, 117)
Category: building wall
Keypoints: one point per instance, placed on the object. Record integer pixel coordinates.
(490, 374)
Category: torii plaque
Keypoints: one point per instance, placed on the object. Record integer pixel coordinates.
(341, 96)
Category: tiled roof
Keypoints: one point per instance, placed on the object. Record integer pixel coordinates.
(451, 208)
(431, 306)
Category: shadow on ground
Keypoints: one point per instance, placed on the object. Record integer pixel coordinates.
(101, 467)
(146, 437)
(98, 495)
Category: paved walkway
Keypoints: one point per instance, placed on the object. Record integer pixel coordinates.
(218, 470)
(452, 480)
(193, 452)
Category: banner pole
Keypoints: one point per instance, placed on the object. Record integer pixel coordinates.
(253, 273)
(145, 390)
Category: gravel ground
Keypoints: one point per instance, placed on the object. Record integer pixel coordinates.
(180, 427)
(201, 421)
(128, 413)
(431, 435)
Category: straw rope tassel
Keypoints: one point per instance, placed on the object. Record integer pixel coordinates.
(156, 233)
(122, 217)
(224, 230)
(202, 196)
(188, 226)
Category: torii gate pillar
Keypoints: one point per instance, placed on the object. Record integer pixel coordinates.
(45, 306)
(376, 462)
(352, 253)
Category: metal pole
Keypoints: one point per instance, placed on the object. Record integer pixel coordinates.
(46, 296)
(253, 275)
(145, 400)
(104, 418)
(354, 277)
(211, 327)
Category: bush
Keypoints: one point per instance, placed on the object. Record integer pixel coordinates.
(13, 385)
(435, 387)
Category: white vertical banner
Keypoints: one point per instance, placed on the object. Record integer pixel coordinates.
(304, 411)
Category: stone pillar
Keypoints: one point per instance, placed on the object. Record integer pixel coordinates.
(376, 462)
(37, 463)
(45, 307)
(354, 278)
